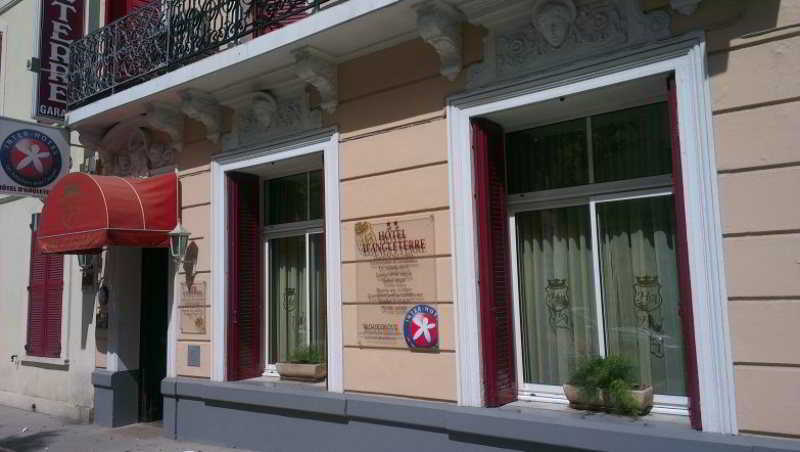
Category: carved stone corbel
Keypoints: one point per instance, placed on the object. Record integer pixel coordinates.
(167, 119)
(205, 108)
(91, 138)
(319, 70)
(439, 24)
(685, 7)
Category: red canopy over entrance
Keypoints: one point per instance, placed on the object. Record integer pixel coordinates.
(84, 212)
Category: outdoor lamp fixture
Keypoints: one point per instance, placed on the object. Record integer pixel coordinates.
(86, 262)
(178, 243)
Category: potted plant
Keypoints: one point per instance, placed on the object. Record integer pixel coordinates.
(608, 383)
(307, 363)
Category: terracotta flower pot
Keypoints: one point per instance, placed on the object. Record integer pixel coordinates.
(302, 372)
(580, 401)
(643, 395)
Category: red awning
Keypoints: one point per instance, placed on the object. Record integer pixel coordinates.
(84, 212)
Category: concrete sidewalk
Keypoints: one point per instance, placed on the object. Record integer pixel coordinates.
(24, 431)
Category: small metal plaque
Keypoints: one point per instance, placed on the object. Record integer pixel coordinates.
(193, 320)
(193, 356)
(194, 295)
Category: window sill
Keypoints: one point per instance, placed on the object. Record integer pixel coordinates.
(49, 363)
(563, 409)
(271, 381)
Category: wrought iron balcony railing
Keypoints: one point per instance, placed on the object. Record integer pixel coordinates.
(167, 34)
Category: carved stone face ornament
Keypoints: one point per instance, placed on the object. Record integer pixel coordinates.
(553, 20)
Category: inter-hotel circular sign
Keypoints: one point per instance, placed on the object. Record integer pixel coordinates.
(30, 158)
(421, 328)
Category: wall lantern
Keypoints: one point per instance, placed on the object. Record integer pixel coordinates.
(178, 243)
(86, 263)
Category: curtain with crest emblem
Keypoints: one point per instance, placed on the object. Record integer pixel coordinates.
(639, 273)
(557, 306)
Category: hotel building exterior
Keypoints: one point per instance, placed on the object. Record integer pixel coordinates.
(454, 202)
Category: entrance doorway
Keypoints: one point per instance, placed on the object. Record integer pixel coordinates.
(153, 332)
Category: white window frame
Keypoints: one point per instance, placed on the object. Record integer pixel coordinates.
(685, 56)
(270, 232)
(327, 142)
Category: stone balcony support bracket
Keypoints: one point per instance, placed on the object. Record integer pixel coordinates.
(205, 108)
(320, 70)
(440, 25)
(168, 119)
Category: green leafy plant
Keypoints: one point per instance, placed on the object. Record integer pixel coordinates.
(307, 355)
(613, 377)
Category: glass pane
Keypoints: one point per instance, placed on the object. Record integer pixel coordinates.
(640, 289)
(631, 143)
(553, 156)
(557, 305)
(317, 196)
(287, 297)
(318, 309)
(287, 199)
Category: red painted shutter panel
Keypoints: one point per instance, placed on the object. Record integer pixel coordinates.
(245, 357)
(494, 263)
(685, 308)
(44, 303)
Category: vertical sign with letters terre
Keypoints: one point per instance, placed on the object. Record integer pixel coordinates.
(61, 24)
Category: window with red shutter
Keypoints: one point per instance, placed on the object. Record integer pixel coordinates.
(45, 291)
(244, 277)
(116, 9)
(684, 281)
(494, 264)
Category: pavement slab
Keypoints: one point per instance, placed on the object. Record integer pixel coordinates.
(26, 431)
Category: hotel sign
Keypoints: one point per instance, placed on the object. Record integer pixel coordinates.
(33, 158)
(61, 24)
(399, 266)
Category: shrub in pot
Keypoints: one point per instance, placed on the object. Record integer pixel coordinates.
(305, 364)
(608, 383)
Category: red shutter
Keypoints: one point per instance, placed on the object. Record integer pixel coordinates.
(44, 302)
(244, 277)
(494, 263)
(685, 309)
(119, 8)
(282, 10)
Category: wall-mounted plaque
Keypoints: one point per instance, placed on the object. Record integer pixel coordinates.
(194, 295)
(193, 320)
(381, 325)
(396, 263)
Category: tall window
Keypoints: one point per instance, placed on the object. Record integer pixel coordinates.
(44, 300)
(295, 242)
(593, 223)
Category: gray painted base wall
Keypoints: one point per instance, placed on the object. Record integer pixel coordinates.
(277, 418)
(116, 397)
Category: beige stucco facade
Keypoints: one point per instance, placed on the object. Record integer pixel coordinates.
(393, 143)
(58, 386)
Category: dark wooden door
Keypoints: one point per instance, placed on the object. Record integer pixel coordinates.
(153, 330)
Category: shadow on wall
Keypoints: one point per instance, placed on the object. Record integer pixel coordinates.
(726, 21)
(29, 443)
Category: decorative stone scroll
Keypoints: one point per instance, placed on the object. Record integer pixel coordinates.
(439, 24)
(558, 32)
(130, 148)
(319, 69)
(205, 108)
(260, 116)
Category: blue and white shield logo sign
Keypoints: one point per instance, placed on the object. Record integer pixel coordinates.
(421, 328)
(32, 158)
